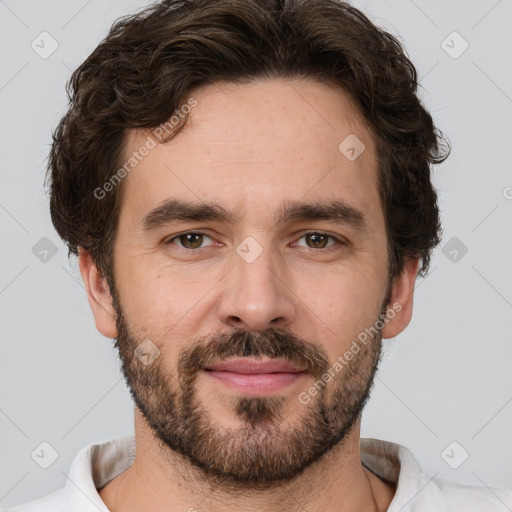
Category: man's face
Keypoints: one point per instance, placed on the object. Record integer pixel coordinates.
(269, 281)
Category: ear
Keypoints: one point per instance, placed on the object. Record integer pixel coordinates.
(98, 293)
(401, 300)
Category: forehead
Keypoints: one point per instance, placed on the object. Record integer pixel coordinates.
(252, 147)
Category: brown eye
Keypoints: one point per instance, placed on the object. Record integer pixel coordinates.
(191, 240)
(317, 240)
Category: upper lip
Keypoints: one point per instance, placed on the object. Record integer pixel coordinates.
(255, 366)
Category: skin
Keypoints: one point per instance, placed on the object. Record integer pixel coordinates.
(249, 148)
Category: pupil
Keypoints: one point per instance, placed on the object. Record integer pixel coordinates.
(316, 241)
(189, 240)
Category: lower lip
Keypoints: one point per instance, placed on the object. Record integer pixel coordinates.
(255, 384)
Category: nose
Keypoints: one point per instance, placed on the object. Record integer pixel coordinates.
(258, 294)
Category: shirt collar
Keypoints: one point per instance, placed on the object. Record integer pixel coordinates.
(97, 464)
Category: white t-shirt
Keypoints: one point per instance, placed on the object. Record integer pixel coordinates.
(97, 464)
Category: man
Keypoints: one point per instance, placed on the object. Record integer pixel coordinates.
(246, 184)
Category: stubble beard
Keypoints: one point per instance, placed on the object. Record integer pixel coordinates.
(261, 451)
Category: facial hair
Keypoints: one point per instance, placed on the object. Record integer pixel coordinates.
(261, 452)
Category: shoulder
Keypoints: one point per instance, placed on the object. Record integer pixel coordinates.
(92, 468)
(445, 496)
(419, 492)
(53, 502)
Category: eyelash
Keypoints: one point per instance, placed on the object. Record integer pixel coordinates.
(176, 237)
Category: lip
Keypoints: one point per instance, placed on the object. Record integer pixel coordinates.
(249, 366)
(254, 377)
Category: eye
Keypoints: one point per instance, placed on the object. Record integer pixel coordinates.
(315, 240)
(190, 240)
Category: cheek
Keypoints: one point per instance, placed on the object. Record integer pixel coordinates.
(163, 301)
(342, 307)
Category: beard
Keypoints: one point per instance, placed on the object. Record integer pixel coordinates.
(262, 451)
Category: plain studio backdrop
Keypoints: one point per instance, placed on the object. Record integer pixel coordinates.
(444, 389)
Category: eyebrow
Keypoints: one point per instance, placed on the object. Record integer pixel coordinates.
(177, 210)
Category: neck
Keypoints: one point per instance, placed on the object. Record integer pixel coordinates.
(160, 479)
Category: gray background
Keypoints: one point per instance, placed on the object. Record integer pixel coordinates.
(446, 379)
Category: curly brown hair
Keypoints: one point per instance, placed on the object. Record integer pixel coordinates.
(149, 62)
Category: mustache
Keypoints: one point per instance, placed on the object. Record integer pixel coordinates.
(274, 343)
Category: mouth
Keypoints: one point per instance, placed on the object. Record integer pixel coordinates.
(255, 377)
(251, 366)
